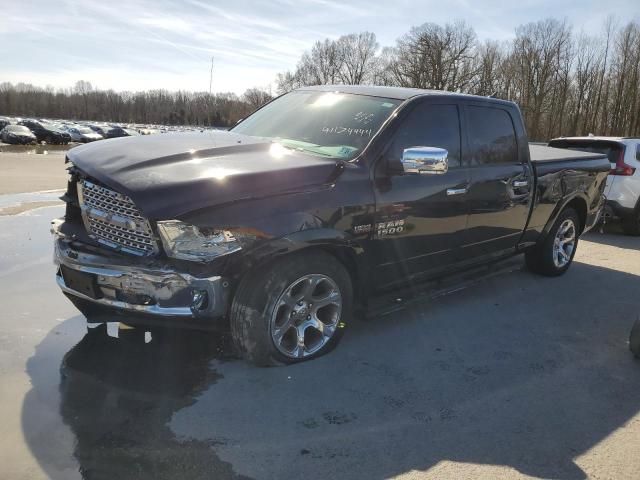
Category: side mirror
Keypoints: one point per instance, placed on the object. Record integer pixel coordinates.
(425, 160)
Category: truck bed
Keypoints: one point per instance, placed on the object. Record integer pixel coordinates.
(541, 153)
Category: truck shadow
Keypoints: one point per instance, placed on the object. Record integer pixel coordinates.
(618, 239)
(117, 394)
(507, 373)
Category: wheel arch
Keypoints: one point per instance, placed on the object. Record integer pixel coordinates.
(348, 252)
(578, 203)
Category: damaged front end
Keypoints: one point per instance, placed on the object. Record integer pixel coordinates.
(92, 278)
(109, 266)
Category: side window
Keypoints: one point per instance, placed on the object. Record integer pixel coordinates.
(492, 138)
(428, 126)
(638, 152)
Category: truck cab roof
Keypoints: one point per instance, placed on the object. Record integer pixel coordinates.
(595, 138)
(399, 93)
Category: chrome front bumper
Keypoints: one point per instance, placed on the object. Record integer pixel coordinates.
(156, 291)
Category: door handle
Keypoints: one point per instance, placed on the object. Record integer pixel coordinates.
(520, 183)
(456, 191)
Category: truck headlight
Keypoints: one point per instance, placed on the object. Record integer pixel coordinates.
(188, 242)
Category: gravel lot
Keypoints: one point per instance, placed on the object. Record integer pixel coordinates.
(516, 376)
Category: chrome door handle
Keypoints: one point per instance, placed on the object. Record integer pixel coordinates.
(520, 183)
(456, 191)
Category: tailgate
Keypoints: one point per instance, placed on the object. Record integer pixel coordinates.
(611, 148)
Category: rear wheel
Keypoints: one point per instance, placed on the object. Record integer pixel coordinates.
(554, 255)
(291, 311)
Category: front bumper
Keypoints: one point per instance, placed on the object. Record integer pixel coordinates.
(141, 291)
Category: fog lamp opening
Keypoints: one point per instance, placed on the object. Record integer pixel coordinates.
(199, 300)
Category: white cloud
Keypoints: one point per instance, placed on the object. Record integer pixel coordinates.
(140, 44)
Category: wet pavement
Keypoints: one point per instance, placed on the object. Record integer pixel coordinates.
(516, 376)
(21, 202)
(36, 148)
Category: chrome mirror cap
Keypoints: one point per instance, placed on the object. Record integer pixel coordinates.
(425, 160)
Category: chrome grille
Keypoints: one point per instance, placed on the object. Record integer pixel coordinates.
(114, 220)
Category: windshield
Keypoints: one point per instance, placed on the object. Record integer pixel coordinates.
(329, 124)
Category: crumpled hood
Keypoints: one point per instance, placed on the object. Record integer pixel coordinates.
(169, 175)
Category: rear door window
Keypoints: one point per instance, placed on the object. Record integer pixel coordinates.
(492, 137)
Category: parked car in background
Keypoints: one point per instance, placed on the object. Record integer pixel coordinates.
(117, 131)
(17, 135)
(623, 183)
(99, 128)
(47, 132)
(323, 198)
(4, 121)
(83, 134)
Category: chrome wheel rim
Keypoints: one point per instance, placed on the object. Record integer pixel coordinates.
(306, 316)
(564, 243)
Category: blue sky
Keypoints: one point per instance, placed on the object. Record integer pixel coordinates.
(146, 44)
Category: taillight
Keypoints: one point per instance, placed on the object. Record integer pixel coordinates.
(622, 168)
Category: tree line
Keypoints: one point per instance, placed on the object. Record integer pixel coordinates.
(565, 83)
(83, 102)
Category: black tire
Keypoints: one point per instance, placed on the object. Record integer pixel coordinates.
(257, 296)
(631, 225)
(634, 339)
(540, 259)
(49, 140)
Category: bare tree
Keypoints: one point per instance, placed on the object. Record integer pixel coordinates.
(255, 98)
(539, 52)
(357, 56)
(351, 59)
(287, 81)
(84, 88)
(431, 56)
(589, 57)
(489, 76)
(625, 70)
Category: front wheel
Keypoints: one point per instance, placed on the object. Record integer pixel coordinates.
(292, 310)
(554, 255)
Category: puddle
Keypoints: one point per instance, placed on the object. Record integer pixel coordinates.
(14, 204)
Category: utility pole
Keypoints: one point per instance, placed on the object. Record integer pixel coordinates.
(209, 100)
(211, 75)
